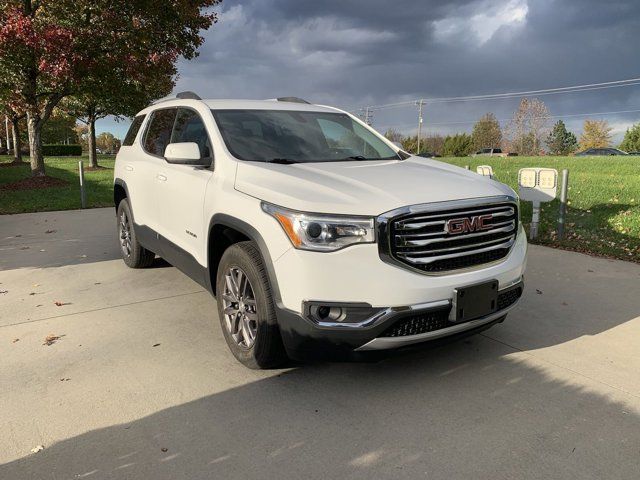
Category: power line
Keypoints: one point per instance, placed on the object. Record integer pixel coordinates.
(548, 91)
(508, 119)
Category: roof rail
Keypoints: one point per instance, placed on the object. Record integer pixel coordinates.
(292, 100)
(181, 95)
(188, 95)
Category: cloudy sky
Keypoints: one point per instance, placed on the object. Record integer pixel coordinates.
(353, 53)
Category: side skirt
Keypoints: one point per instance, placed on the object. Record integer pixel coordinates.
(175, 255)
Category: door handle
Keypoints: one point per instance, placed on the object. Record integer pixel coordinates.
(128, 168)
(161, 177)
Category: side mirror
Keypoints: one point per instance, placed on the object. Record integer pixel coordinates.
(185, 153)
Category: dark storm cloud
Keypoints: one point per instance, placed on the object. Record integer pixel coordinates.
(355, 53)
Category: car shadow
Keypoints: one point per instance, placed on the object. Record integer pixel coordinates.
(473, 409)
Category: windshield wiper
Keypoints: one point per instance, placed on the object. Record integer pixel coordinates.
(282, 161)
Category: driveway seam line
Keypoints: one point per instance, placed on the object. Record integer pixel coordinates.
(99, 309)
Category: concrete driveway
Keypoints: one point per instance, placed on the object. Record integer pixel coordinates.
(140, 384)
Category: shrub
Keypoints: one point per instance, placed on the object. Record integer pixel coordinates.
(62, 150)
(458, 145)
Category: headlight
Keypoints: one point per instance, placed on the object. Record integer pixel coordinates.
(325, 233)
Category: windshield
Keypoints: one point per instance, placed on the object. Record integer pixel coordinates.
(293, 136)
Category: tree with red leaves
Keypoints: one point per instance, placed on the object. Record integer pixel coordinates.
(120, 92)
(49, 49)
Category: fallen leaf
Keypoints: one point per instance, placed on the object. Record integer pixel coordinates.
(65, 379)
(4, 291)
(37, 449)
(15, 340)
(51, 339)
(539, 292)
(58, 303)
(43, 250)
(163, 449)
(50, 231)
(156, 345)
(24, 248)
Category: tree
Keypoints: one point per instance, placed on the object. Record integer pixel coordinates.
(529, 126)
(113, 91)
(431, 143)
(631, 140)
(560, 141)
(595, 134)
(458, 145)
(394, 135)
(14, 117)
(108, 143)
(47, 47)
(486, 132)
(60, 128)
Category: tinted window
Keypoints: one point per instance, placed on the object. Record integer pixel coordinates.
(159, 130)
(189, 127)
(133, 131)
(263, 135)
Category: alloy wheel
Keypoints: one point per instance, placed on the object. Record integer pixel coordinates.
(125, 234)
(239, 308)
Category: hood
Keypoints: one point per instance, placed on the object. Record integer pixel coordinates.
(361, 187)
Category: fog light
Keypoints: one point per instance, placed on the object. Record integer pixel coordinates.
(326, 313)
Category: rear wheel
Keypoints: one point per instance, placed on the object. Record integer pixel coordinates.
(245, 307)
(133, 254)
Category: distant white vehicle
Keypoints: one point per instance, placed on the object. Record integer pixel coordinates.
(316, 234)
(489, 152)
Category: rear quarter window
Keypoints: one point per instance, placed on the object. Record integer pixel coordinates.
(133, 131)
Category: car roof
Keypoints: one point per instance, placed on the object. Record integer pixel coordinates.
(232, 104)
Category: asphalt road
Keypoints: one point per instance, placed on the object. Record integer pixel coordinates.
(140, 384)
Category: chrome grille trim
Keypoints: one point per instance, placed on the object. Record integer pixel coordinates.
(421, 243)
(497, 213)
(417, 237)
(423, 261)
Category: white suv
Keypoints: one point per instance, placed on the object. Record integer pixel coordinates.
(316, 234)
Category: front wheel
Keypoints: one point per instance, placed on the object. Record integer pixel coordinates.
(133, 254)
(246, 309)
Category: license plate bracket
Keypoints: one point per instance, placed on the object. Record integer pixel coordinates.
(474, 301)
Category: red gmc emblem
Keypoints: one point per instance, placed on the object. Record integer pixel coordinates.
(469, 224)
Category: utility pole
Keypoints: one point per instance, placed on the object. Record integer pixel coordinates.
(420, 104)
(367, 116)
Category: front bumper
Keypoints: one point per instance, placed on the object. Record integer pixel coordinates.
(389, 328)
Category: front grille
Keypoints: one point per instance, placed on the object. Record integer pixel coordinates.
(433, 320)
(509, 297)
(419, 323)
(451, 239)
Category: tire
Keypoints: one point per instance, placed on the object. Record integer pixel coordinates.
(246, 309)
(133, 254)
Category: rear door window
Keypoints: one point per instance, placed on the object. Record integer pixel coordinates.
(133, 131)
(158, 133)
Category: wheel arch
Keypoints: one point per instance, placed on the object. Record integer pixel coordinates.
(224, 231)
(120, 192)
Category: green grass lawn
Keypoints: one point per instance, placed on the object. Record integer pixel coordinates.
(98, 186)
(603, 215)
